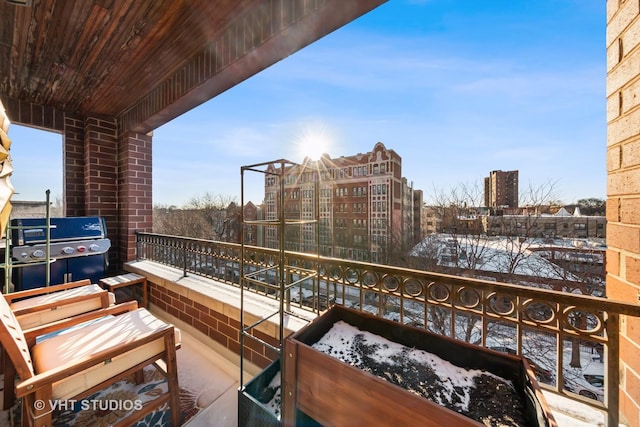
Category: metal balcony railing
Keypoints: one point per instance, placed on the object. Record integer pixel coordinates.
(571, 340)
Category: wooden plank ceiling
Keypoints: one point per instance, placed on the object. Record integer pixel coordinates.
(104, 56)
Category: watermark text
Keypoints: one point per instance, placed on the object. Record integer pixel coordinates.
(88, 405)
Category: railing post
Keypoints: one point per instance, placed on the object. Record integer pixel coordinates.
(184, 259)
(138, 250)
(612, 362)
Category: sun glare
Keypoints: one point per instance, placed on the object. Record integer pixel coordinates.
(313, 147)
(313, 142)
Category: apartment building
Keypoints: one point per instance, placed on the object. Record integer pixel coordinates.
(549, 226)
(501, 189)
(525, 222)
(356, 207)
(431, 220)
(252, 233)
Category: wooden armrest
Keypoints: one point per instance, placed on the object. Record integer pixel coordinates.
(47, 378)
(31, 334)
(45, 290)
(48, 306)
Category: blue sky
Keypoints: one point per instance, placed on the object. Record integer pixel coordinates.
(457, 88)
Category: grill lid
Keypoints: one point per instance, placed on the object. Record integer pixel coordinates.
(30, 231)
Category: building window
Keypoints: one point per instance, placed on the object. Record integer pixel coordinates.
(580, 226)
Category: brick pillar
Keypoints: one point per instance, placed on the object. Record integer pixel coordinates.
(73, 157)
(134, 190)
(623, 189)
(100, 172)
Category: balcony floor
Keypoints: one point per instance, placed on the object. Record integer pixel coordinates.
(214, 378)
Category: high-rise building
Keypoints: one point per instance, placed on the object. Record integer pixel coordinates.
(501, 189)
(364, 207)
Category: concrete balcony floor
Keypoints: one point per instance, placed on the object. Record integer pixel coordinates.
(214, 378)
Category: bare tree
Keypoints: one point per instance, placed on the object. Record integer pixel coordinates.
(203, 217)
(465, 249)
(460, 211)
(214, 210)
(524, 227)
(180, 222)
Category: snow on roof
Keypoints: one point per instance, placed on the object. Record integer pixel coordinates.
(495, 254)
(562, 212)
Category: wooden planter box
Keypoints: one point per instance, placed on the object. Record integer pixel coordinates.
(335, 393)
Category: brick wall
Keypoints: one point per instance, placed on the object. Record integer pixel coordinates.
(100, 169)
(74, 166)
(72, 128)
(217, 320)
(105, 174)
(623, 188)
(26, 113)
(134, 190)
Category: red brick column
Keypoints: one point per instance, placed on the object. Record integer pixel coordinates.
(73, 192)
(104, 174)
(134, 191)
(100, 171)
(623, 189)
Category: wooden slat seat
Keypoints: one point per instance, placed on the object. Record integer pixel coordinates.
(58, 302)
(78, 362)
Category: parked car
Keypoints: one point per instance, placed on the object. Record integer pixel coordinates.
(321, 302)
(295, 294)
(590, 385)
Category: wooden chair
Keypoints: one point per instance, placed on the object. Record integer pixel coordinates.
(35, 307)
(79, 361)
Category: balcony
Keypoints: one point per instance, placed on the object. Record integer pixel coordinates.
(196, 283)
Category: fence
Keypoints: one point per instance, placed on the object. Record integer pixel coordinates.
(571, 340)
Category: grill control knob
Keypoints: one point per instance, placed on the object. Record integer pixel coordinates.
(38, 253)
(81, 249)
(67, 250)
(24, 255)
(94, 248)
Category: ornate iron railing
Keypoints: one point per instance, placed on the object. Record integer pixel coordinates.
(571, 340)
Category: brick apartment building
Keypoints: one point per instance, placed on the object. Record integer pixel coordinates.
(501, 189)
(549, 226)
(623, 189)
(362, 203)
(535, 222)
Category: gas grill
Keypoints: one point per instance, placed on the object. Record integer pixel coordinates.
(79, 246)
